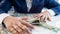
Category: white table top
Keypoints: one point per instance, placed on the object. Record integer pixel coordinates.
(55, 22)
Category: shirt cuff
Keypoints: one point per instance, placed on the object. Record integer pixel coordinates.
(52, 13)
(2, 16)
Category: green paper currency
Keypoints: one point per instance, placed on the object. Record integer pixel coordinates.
(43, 24)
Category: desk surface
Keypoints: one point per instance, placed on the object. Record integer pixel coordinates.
(55, 22)
(40, 30)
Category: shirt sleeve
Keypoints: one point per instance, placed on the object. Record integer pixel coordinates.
(3, 16)
(52, 13)
(54, 5)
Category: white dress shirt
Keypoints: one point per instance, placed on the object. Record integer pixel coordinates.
(29, 4)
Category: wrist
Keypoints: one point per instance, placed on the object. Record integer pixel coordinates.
(3, 16)
(52, 13)
(6, 18)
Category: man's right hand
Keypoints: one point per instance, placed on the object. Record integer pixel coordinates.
(17, 26)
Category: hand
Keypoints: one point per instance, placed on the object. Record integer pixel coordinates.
(17, 25)
(43, 16)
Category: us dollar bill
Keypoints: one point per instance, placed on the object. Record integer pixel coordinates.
(38, 23)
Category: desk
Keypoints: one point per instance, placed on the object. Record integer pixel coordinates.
(55, 22)
(40, 30)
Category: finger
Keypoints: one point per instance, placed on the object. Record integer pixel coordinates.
(9, 28)
(13, 31)
(25, 18)
(26, 29)
(17, 28)
(23, 27)
(49, 18)
(37, 15)
(26, 23)
(23, 32)
(40, 16)
(43, 18)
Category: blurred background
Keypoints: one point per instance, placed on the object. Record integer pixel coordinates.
(12, 9)
(58, 1)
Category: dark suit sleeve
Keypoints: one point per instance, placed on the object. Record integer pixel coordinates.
(4, 6)
(52, 4)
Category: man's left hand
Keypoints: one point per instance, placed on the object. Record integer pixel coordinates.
(43, 16)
